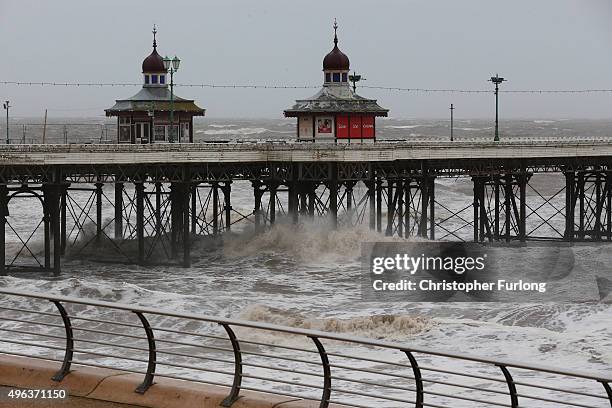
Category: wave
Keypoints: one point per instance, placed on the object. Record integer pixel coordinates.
(308, 241)
(232, 131)
(387, 326)
(214, 125)
(404, 126)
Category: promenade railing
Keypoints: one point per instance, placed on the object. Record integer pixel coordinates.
(324, 367)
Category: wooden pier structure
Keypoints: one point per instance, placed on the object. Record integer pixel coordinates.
(161, 197)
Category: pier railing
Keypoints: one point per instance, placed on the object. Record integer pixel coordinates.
(59, 133)
(326, 368)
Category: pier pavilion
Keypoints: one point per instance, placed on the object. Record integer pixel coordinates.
(336, 112)
(148, 116)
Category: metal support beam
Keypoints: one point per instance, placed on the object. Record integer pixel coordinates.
(508, 205)
(215, 215)
(3, 214)
(47, 226)
(99, 211)
(158, 204)
(399, 191)
(185, 193)
(174, 224)
(497, 182)
(372, 203)
(598, 208)
(476, 204)
(390, 207)
(523, 207)
(379, 191)
(194, 208)
(609, 205)
(273, 187)
(55, 193)
(227, 189)
(570, 180)
(63, 204)
(333, 195)
(118, 211)
(581, 197)
(408, 199)
(432, 218)
(140, 221)
(257, 194)
(424, 206)
(312, 197)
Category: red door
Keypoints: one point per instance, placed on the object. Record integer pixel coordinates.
(355, 131)
(367, 125)
(342, 127)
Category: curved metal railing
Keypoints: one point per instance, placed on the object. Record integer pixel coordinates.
(312, 365)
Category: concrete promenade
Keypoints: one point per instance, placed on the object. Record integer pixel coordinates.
(90, 387)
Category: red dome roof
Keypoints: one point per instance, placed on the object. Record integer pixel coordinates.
(153, 63)
(336, 60)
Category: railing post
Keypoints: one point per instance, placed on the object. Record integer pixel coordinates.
(148, 381)
(511, 387)
(69, 351)
(326, 373)
(608, 390)
(234, 393)
(418, 379)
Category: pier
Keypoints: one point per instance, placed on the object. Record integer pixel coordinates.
(161, 197)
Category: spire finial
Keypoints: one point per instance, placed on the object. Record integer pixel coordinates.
(335, 32)
(154, 40)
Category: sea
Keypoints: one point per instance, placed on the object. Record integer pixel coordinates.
(308, 276)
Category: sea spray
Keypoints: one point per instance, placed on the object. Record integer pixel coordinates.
(311, 240)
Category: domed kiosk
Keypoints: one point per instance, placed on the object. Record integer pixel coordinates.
(146, 117)
(336, 112)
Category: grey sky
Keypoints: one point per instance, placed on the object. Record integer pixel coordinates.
(550, 44)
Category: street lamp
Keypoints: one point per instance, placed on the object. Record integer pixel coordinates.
(452, 125)
(6, 106)
(497, 80)
(172, 65)
(354, 79)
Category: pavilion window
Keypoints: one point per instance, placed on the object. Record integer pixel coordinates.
(162, 79)
(344, 77)
(160, 133)
(185, 131)
(327, 77)
(124, 130)
(146, 79)
(153, 79)
(336, 77)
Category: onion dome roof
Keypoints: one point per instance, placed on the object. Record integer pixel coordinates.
(336, 60)
(154, 62)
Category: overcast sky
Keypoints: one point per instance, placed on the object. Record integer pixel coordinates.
(536, 44)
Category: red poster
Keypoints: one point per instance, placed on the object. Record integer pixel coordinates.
(367, 124)
(342, 127)
(355, 130)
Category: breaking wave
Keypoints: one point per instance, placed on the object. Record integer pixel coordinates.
(232, 131)
(309, 240)
(387, 326)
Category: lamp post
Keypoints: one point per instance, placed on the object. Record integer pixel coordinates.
(7, 106)
(497, 80)
(354, 79)
(452, 125)
(172, 65)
